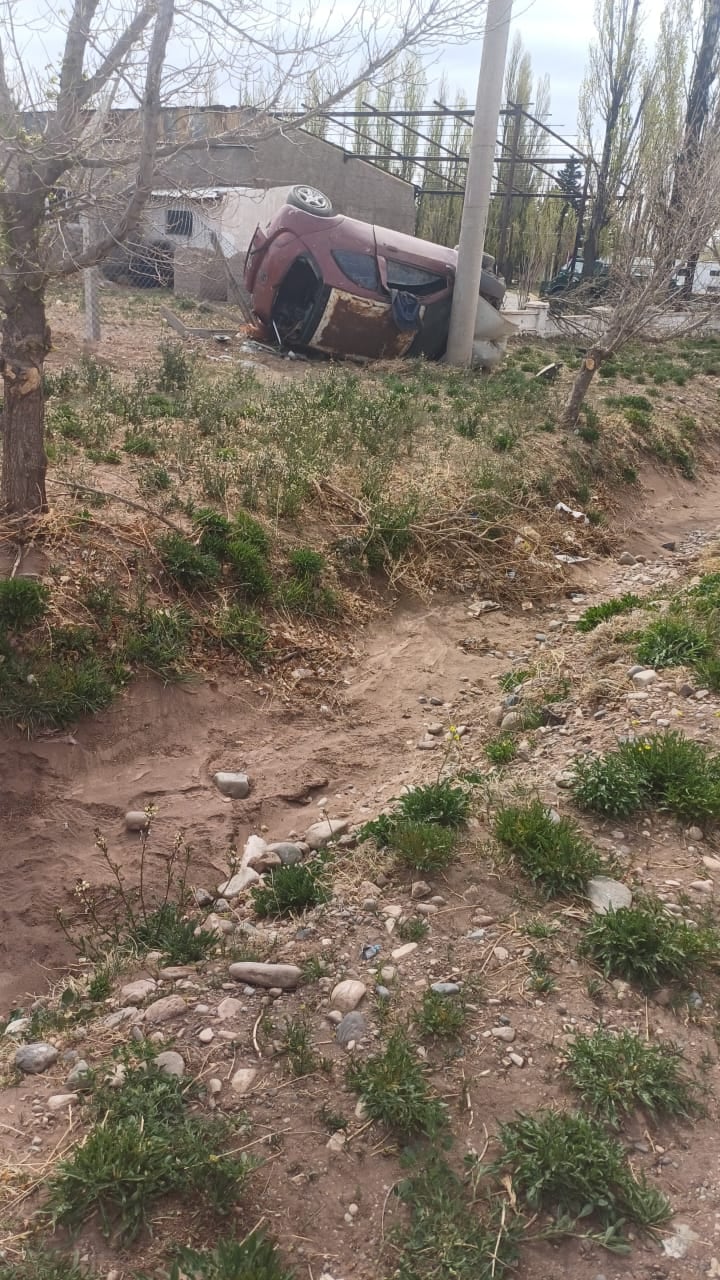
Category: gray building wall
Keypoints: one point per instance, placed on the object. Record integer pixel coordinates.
(355, 188)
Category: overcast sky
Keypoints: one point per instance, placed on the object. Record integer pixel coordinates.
(557, 34)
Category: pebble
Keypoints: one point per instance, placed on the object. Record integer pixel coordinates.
(257, 974)
(351, 1028)
(712, 864)
(165, 1010)
(427, 743)
(234, 785)
(516, 1059)
(243, 1080)
(445, 988)
(434, 729)
(170, 1063)
(321, 833)
(607, 895)
(504, 1033)
(702, 886)
(420, 889)
(347, 995)
(135, 992)
(642, 679)
(206, 1035)
(78, 1075)
(513, 720)
(695, 833)
(17, 1026)
(501, 954)
(32, 1059)
(288, 852)
(336, 1143)
(229, 1008)
(60, 1101)
(237, 884)
(406, 950)
(136, 820)
(202, 897)
(626, 557)
(214, 1086)
(382, 992)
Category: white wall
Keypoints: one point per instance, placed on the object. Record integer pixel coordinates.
(233, 217)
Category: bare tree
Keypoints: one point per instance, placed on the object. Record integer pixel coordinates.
(92, 140)
(647, 250)
(612, 97)
(701, 115)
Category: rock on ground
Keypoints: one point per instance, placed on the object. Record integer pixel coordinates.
(165, 1010)
(347, 995)
(257, 974)
(238, 883)
(170, 1063)
(351, 1028)
(321, 833)
(32, 1059)
(607, 895)
(234, 785)
(135, 992)
(243, 1080)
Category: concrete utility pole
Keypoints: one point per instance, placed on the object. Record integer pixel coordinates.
(479, 182)
(91, 280)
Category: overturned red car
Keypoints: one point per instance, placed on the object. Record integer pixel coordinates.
(320, 280)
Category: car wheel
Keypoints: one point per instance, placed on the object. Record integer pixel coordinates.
(310, 200)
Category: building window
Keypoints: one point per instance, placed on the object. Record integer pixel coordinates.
(178, 222)
(714, 272)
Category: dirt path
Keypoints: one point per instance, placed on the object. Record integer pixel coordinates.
(162, 745)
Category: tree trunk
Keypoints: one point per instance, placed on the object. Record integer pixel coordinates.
(25, 344)
(590, 365)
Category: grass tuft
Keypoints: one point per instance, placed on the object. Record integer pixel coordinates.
(144, 1147)
(186, 564)
(554, 855)
(23, 602)
(289, 891)
(646, 945)
(446, 1238)
(395, 1090)
(254, 1258)
(501, 750)
(598, 613)
(441, 1017)
(675, 773)
(423, 846)
(615, 1072)
(568, 1166)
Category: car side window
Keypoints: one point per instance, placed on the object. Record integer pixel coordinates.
(403, 275)
(358, 267)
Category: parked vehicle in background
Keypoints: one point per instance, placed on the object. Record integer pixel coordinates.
(322, 281)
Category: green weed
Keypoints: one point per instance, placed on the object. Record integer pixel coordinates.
(186, 564)
(177, 367)
(298, 1048)
(306, 563)
(395, 1090)
(501, 750)
(615, 1072)
(646, 945)
(568, 1166)
(158, 639)
(597, 613)
(440, 802)
(414, 929)
(23, 603)
(667, 769)
(422, 846)
(44, 1264)
(675, 641)
(441, 1017)
(447, 1237)
(293, 889)
(541, 979)
(139, 444)
(144, 1148)
(242, 630)
(553, 854)
(254, 1258)
(250, 568)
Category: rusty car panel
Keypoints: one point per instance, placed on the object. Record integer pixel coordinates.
(364, 326)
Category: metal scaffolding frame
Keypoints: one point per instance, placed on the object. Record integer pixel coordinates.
(348, 128)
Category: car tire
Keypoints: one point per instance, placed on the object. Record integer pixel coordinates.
(310, 200)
